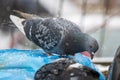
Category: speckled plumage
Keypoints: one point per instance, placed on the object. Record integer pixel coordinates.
(58, 35)
(49, 33)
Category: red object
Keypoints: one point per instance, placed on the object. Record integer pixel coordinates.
(86, 54)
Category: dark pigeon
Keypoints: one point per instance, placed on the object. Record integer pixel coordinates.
(66, 69)
(56, 35)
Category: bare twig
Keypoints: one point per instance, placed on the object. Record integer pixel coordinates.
(83, 8)
(61, 2)
(103, 26)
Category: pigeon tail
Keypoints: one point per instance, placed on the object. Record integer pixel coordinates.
(18, 22)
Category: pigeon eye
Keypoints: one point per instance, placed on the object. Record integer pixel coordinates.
(91, 46)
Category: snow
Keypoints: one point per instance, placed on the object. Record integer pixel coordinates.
(76, 65)
(102, 68)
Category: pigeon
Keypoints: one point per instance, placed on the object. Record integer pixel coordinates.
(65, 69)
(55, 35)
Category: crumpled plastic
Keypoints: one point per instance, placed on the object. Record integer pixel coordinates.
(22, 64)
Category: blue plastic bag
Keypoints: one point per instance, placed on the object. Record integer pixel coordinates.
(22, 64)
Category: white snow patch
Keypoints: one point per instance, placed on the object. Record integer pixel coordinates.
(76, 65)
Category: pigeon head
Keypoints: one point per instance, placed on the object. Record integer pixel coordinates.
(91, 45)
(79, 42)
(66, 69)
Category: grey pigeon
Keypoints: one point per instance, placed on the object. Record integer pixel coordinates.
(55, 35)
(66, 69)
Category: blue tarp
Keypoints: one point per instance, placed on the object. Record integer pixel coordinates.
(22, 64)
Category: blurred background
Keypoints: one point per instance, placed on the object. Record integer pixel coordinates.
(99, 18)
